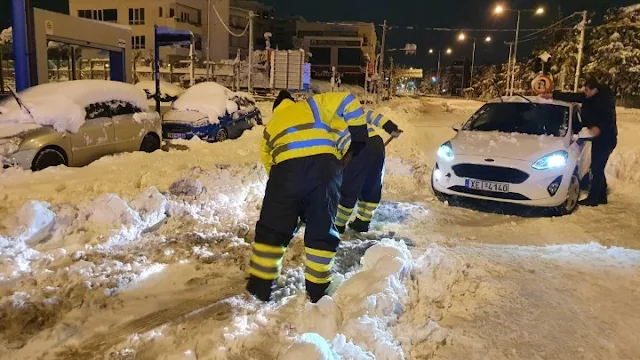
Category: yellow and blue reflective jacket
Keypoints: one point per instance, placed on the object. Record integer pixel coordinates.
(375, 121)
(308, 128)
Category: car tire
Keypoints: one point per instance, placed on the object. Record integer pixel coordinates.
(150, 143)
(48, 157)
(573, 196)
(221, 135)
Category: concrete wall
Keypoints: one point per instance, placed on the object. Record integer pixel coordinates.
(73, 30)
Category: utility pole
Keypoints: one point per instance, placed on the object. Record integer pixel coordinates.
(251, 40)
(381, 64)
(515, 54)
(473, 61)
(438, 84)
(391, 87)
(508, 86)
(583, 26)
(208, 39)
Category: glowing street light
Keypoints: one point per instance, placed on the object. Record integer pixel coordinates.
(462, 36)
(499, 9)
(487, 39)
(430, 51)
(449, 51)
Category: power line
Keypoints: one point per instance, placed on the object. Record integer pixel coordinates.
(226, 27)
(550, 27)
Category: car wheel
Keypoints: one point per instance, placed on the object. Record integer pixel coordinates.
(47, 158)
(150, 143)
(221, 135)
(573, 196)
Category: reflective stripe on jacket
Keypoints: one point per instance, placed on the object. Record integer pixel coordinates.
(374, 121)
(308, 128)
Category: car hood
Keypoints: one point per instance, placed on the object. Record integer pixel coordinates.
(505, 145)
(192, 118)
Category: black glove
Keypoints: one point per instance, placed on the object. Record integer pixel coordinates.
(356, 148)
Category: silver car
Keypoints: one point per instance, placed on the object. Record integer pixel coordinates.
(110, 118)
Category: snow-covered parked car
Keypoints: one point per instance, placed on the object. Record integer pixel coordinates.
(211, 112)
(523, 150)
(74, 123)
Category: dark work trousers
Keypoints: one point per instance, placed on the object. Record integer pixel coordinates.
(362, 177)
(600, 153)
(304, 188)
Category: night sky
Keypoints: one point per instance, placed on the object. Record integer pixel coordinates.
(425, 13)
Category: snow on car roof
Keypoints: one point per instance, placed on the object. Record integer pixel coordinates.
(534, 99)
(62, 105)
(166, 88)
(209, 98)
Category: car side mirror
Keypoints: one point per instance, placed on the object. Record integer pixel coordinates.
(457, 127)
(585, 134)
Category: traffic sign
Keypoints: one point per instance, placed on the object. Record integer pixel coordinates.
(542, 84)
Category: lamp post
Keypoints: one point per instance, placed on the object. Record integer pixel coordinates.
(499, 9)
(448, 51)
(463, 37)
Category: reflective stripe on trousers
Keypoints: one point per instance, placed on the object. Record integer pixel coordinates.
(365, 210)
(344, 214)
(318, 265)
(266, 261)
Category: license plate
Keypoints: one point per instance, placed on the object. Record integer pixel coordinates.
(177, 136)
(486, 186)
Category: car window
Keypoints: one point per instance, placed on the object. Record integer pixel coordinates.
(123, 108)
(524, 118)
(98, 110)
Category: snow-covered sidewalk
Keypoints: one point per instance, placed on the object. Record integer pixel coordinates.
(144, 256)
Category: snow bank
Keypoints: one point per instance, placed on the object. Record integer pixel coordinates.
(214, 100)
(387, 309)
(62, 105)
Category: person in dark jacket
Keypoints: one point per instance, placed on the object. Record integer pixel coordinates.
(599, 115)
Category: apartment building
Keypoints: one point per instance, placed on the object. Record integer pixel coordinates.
(264, 21)
(142, 15)
(342, 45)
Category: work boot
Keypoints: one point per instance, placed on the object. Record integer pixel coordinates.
(316, 291)
(359, 226)
(589, 202)
(260, 288)
(341, 229)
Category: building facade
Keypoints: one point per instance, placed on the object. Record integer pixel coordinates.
(142, 15)
(341, 45)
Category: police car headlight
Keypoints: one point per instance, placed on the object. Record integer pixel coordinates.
(445, 152)
(554, 160)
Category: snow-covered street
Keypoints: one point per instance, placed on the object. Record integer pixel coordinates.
(144, 256)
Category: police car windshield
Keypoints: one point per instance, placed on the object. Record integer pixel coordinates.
(523, 118)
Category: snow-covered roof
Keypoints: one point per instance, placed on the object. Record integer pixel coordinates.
(62, 105)
(166, 89)
(534, 99)
(209, 98)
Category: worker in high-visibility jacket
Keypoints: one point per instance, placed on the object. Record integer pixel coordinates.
(362, 177)
(300, 155)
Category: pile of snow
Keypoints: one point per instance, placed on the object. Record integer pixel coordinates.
(167, 90)
(214, 100)
(62, 105)
(387, 309)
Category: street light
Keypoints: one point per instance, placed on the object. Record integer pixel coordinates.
(462, 36)
(473, 56)
(499, 9)
(448, 51)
